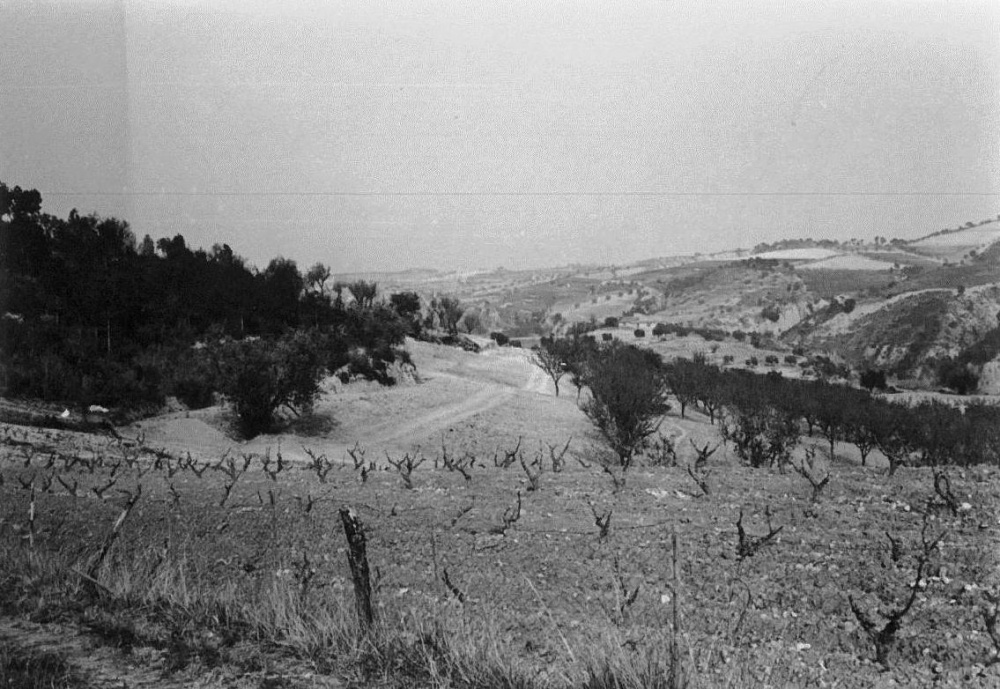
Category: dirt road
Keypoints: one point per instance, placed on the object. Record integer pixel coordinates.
(456, 386)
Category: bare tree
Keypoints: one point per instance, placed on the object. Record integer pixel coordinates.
(449, 312)
(551, 363)
(364, 293)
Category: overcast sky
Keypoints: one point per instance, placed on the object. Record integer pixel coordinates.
(478, 134)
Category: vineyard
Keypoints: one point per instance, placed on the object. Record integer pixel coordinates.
(521, 566)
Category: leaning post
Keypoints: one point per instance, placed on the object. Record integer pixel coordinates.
(357, 558)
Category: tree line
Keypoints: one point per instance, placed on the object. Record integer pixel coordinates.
(764, 417)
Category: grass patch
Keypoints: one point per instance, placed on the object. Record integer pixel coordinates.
(36, 671)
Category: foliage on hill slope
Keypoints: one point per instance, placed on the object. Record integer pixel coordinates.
(908, 334)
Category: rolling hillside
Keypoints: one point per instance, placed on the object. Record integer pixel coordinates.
(897, 305)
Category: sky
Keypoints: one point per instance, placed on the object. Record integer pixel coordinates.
(478, 134)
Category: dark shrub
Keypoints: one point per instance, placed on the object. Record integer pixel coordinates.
(628, 388)
(639, 332)
(607, 337)
(260, 376)
(771, 313)
(194, 393)
(873, 380)
(957, 377)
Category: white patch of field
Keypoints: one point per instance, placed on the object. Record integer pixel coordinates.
(974, 236)
(814, 254)
(847, 262)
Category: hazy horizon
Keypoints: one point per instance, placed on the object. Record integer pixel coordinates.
(463, 136)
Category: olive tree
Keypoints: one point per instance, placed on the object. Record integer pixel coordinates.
(259, 376)
(628, 398)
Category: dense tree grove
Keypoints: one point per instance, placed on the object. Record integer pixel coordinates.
(92, 316)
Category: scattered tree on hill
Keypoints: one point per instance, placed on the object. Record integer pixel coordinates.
(364, 292)
(499, 338)
(548, 358)
(828, 405)
(762, 433)
(628, 398)
(982, 427)
(407, 306)
(938, 432)
(471, 322)
(858, 428)
(448, 311)
(284, 289)
(892, 430)
(873, 379)
(317, 277)
(579, 361)
(957, 376)
(684, 379)
(712, 391)
(771, 312)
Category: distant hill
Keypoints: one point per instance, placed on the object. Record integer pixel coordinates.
(957, 245)
(894, 304)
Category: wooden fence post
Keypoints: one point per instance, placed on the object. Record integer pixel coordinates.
(357, 558)
(676, 672)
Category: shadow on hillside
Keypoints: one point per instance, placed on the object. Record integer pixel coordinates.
(310, 425)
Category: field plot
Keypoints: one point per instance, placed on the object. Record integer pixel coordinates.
(829, 283)
(495, 562)
(847, 262)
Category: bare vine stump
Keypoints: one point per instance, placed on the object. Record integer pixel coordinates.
(357, 558)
